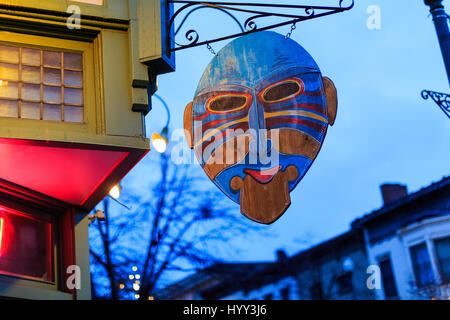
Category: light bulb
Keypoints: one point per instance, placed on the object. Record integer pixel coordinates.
(159, 143)
(115, 192)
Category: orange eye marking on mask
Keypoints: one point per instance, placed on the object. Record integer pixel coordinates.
(281, 91)
(228, 102)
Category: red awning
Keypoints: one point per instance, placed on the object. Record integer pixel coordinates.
(77, 174)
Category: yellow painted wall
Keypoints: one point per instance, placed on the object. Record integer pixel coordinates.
(112, 61)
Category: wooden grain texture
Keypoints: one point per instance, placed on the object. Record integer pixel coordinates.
(229, 153)
(294, 142)
(265, 203)
(188, 125)
(332, 100)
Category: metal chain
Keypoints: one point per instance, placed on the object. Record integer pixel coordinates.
(289, 34)
(208, 46)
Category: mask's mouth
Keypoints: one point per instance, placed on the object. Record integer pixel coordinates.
(263, 175)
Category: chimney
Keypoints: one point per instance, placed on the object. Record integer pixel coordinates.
(393, 192)
(281, 255)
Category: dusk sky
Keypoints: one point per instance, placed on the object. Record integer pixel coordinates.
(384, 131)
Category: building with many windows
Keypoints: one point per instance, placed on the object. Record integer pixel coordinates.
(401, 251)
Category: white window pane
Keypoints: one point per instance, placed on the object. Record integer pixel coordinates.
(52, 112)
(52, 76)
(9, 54)
(73, 96)
(73, 78)
(11, 91)
(8, 108)
(31, 56)
(31, 92)
(30, 110)
(52, 59)
(9, 72)
(31, 74)
(73, 114)
(52, 94)
(73, 60)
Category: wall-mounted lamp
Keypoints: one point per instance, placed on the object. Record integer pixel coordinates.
(115, 192)
(160, 140)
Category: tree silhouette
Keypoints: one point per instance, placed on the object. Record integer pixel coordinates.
(180, 225)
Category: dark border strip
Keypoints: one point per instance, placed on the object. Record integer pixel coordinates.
(62, 14)
(47, 30)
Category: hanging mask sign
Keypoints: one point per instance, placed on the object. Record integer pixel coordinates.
(258, 120)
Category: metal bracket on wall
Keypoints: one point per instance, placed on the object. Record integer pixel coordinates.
(248, 14)
(441, 99)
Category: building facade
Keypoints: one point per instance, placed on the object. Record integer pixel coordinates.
(74, 84)
(409, 239)
(401, 251)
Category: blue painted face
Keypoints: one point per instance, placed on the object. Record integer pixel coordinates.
(258, 120)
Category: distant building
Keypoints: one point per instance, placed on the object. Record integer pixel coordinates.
(409, 239)
(404, 247)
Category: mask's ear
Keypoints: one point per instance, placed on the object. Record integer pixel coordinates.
(332, 100)
(188, 125)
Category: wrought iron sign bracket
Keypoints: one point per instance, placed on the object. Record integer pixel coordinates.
(287, 14)
(441, 99)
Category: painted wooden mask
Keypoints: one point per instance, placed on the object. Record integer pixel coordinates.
(258, 120)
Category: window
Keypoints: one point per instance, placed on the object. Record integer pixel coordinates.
(316, 291)
(387, 276)
(345, 284)
(422, 265)
(285, 293)
(268, 297)
(442, 247)
(26, 246)
(41, 84)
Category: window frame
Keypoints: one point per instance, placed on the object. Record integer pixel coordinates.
(436, 257)
(32, 204)
(385, 259)
(345, 283)
(423, 244)
(90, 100)
(44, 217)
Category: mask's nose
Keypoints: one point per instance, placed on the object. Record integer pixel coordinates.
(260, 146)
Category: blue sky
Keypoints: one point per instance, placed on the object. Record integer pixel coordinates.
(384, 132)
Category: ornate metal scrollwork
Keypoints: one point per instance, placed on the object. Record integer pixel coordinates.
(441, 99)
(290, 14)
